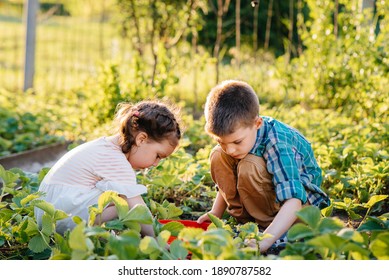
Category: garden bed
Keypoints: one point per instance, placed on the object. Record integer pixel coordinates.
(34, 160)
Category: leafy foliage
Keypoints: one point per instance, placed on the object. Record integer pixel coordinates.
(335, 93)
(347, 69)
(327, 238)
(23, 131)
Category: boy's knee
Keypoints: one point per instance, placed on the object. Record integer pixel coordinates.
(216, 155)
(219, 158)
(254, 167)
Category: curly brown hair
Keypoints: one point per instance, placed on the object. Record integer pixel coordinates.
(154, 118)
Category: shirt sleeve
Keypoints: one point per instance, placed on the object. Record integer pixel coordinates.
(282, 165)
(116, 174)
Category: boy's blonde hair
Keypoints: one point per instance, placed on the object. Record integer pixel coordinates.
(230, 104)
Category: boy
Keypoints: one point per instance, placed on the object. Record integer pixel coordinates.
(265, 170)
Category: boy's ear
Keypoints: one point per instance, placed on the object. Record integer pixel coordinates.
(141, 138)
(258, 122)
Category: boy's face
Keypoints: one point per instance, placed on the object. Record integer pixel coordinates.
(239, 143)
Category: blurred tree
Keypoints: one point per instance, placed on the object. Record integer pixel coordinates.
(255, 27)
(237, 32)
(153, 24)
(268, 24)
(220, 10)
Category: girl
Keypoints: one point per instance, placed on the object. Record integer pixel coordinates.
(147, 132)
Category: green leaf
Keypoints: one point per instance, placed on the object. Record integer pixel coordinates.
(328, 225)
(149, 246)
(248, 230)
(217, 222)
(373, 223)
(77, 238)
(121, 206)
(153, 206)
(173, 211)
(310, 215)
(2, 240)
(190, 234)
(167, 180)
(47, 224)
(356, 251)
(62, 244)
(42, 174)
(60, 215)
(105, 198)
(177, 250)
(219, 237)
(350, 234)
(326, 212)
(374, 199)
(329, 241)
(77, 220)
(23, 225)
(8, 177)
(162, 212)
(353, 215)
(45, 206)
(96, 231)
(114, 224)
(380, 246)
(163, 237)
(133, 225)
(299, 231)
(173, 227)
(139, 213)
(57, 256)
(38, 243)
(125, 246)
(28, 198)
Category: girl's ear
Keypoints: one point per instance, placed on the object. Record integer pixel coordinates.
(141, 138)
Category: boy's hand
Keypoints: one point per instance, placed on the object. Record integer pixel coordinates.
(203, 218)
(265, 244)
(218, 208)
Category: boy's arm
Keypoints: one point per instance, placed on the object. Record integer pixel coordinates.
(218, 208)
(281, 223)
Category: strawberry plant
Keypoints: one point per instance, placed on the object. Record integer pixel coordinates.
(182, 179)
(20, 235)
(328, 238)
(23, 131)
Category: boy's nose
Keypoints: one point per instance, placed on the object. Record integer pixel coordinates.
(230, 150)
(156, 162)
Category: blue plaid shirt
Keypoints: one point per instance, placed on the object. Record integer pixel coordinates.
(289, 158)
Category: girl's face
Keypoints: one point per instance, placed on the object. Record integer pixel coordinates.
(146, 152)
(239, 143)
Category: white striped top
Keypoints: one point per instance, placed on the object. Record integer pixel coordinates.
(91, 162)
(79, 178)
